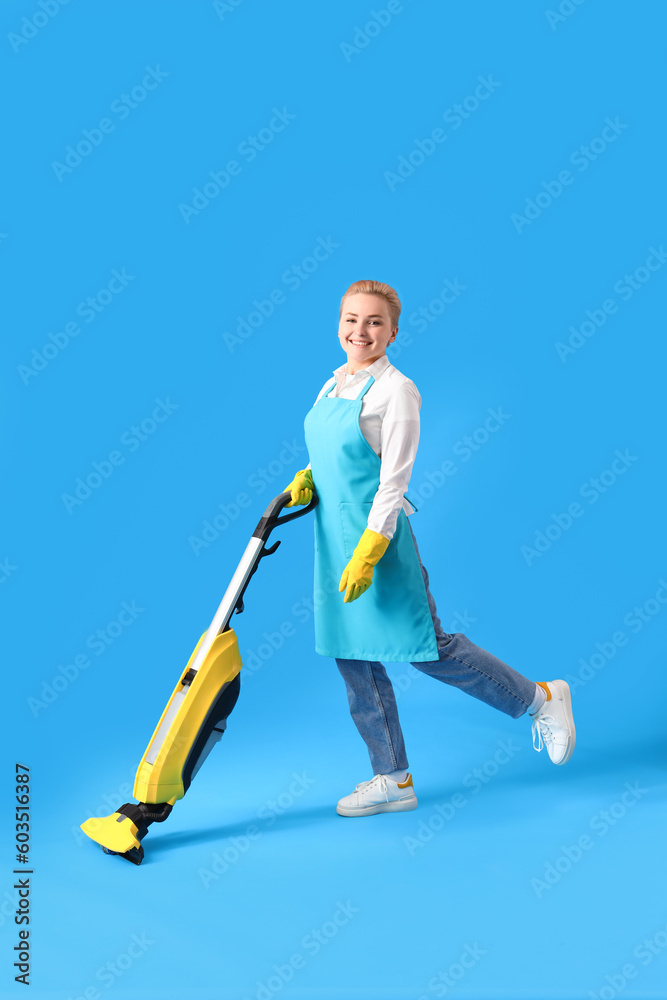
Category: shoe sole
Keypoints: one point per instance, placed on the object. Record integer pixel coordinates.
(398, 805)
(563, 691)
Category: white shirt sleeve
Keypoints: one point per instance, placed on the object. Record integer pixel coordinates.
(398, 450)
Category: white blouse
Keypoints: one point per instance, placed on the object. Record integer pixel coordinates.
(389, 420)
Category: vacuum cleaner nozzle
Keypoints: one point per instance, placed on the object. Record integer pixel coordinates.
(122, 831)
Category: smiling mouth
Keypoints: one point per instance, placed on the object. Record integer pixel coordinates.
(360, 343)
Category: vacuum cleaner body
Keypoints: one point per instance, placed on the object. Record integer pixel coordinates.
(195, 717)
(201, 705)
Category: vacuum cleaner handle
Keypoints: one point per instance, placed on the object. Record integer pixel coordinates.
(270, 519)
(254, 553)
(267, 523)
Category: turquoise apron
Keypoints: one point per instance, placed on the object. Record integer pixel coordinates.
(390, 621)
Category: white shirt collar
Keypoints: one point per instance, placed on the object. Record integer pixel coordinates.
(376, 369)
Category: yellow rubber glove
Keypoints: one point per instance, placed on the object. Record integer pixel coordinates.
(301, 488)
(358, 574)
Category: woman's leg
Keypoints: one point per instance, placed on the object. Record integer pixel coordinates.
(372, 704)
(474, 670)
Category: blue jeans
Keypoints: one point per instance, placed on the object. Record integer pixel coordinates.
(461, 663)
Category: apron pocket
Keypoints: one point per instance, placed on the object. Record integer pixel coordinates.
(354, 521)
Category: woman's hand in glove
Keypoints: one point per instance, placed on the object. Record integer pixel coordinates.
(301, 488)
(358, 574)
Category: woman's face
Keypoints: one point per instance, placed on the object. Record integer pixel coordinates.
(365, 329)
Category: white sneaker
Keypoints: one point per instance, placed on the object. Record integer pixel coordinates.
(380, 794)
(553, 724)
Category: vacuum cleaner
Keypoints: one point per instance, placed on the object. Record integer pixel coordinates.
(195, 717)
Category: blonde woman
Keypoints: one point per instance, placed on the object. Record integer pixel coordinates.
(362, 435)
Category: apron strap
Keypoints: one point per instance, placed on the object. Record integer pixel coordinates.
(369, 383)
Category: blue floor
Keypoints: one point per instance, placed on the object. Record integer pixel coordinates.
(513, 878)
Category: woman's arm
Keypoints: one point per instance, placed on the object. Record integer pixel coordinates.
(399, 442)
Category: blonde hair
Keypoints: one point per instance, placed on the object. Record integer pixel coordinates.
(385, 292)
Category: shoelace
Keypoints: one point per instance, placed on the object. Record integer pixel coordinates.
(542, 726)
(381, 780)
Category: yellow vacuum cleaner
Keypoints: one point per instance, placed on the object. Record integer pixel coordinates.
(195, 716)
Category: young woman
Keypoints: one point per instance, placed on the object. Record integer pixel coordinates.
(374, 602)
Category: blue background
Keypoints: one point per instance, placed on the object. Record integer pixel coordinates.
(236, 404)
